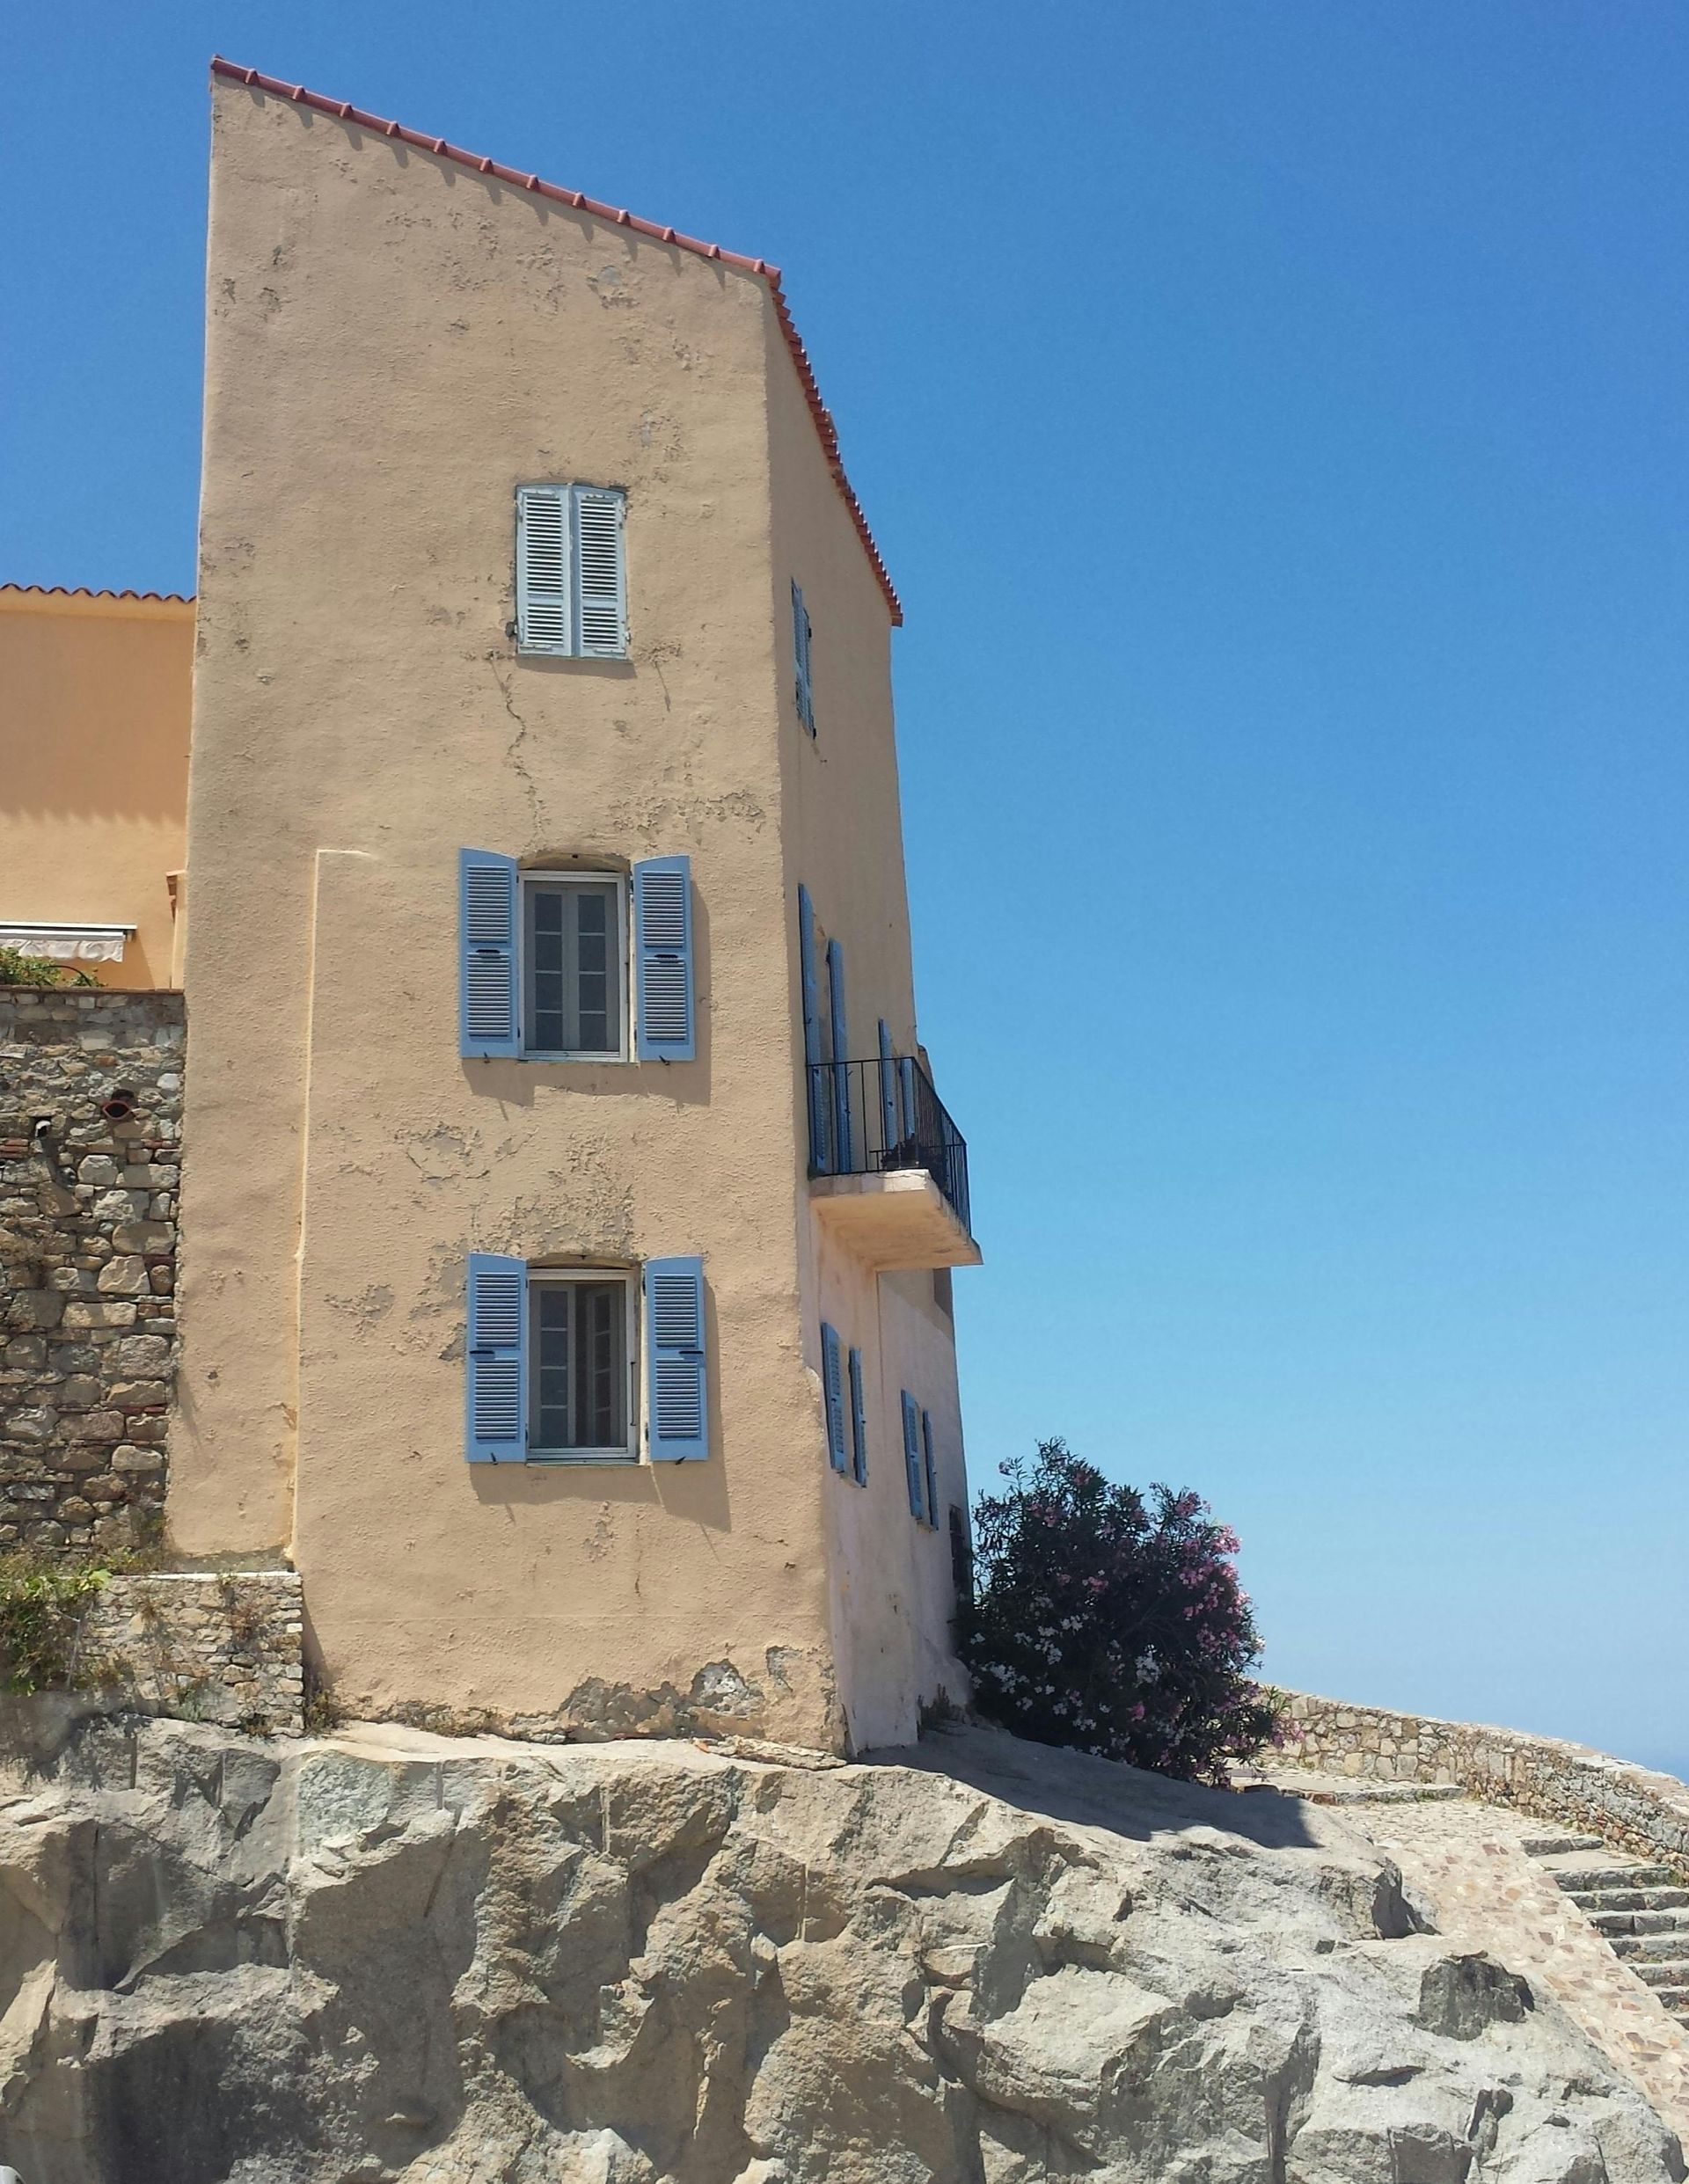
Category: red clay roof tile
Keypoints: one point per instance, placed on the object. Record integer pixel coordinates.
(84, 591)
(478, 164)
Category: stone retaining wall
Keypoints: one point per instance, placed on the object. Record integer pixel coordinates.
(226, 1646)
(87, 1263)
(1583, 1790)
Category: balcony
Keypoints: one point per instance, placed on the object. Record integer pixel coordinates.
(887, 1167)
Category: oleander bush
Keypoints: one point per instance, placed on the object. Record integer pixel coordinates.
(1113, 1622)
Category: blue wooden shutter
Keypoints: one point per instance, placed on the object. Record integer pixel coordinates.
(890, 1101)
(600, 602)
(858, 1423)
(929, 1470)
(800, 658)
(912, 1451)
(833, 1387)
(820, 1133)
(843, 1163)
(677, 1381)
(664, 1012)
(498, 1359)
(488, 1020)
(909, 1105)
(544, 544)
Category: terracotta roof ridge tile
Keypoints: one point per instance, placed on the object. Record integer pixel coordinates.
(478, 164)
(91, 591)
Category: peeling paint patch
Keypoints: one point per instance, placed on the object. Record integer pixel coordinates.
(370, 1305)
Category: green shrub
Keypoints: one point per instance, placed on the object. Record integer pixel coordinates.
(18, 969)
(41, 1607)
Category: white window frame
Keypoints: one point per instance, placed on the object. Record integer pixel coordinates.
(634, 1451)
(577, 876)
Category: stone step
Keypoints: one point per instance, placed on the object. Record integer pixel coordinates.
(1377, 1792)
(1671, 1971)
(1629, 1899)
(1558, 1846)
(1611, 1922)
(1573, 1878)
(1675, 1998)
(1670, 1945)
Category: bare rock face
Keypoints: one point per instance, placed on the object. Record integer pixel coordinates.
(385, 1955)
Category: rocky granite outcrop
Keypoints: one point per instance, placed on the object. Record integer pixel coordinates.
(382, 1955)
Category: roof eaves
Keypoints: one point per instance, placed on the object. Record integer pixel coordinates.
(377, 124)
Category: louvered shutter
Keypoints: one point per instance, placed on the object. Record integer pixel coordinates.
(832, 1381)
(498, 1359)
(820, 1132)
(912, 1451)
(843, 1164)
(664, 1010)
(858, 1423)
(600, 586)
(676, 1378)
(488, 1019)
(929, 1470)
(889, 1099)
(800, 658)
(544, 547)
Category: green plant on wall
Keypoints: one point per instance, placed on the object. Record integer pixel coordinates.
(41, 1607)
(18, 969)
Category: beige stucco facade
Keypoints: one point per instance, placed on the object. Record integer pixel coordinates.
(395, 344)
(95, 694)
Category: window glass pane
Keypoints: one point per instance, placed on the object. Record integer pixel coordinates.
(600, 1311)
(575, 981)
(547, 970)
(580, 1364)
(551, 1365)
(595, 928)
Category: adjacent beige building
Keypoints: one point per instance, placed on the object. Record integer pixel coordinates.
(568, 1214)
(94, 697)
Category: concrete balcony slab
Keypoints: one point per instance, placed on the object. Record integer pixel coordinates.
(895, 1222)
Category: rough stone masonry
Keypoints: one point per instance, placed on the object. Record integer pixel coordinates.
(90, 1093)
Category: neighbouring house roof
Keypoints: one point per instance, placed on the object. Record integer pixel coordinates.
(12, 595)
(441, 150)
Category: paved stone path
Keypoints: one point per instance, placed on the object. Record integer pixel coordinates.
(1494, 1877)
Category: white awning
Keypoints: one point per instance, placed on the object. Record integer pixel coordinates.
(67, 944)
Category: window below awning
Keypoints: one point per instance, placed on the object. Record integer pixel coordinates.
(67, 944)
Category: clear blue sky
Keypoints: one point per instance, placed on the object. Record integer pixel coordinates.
(1274, 419)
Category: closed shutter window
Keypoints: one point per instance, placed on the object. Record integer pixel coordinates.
(890, 1098)
(800, 658)
(858, 1423)
(665, 1010)
(571, 575)
(486, 940)
(498, 1359)
(929, 1471)
(601, 608)
(820, 1105)
(843, 1162)
(912, 1454)
(832, 1385)
(678, 1380)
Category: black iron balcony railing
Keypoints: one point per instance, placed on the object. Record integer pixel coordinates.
(869, 1118)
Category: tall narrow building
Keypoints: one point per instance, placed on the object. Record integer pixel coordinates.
(568, 1214)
